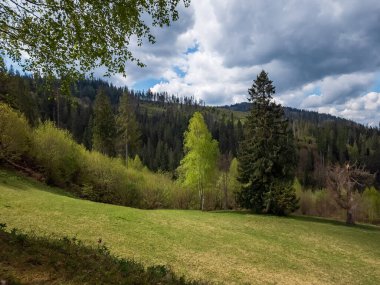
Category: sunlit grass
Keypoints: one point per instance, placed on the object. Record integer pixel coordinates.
(226, 247)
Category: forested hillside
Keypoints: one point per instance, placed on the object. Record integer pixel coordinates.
(160, 121)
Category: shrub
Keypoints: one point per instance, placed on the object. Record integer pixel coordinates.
(306, 202)
(325, 205)
(136, 163)
(156, 191)
(370, 205)
(70, 261)
(14, 134)
(57, 153)
(105, 179)
(185, 198)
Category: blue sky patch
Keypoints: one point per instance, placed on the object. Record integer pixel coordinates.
(192, 49)
(179, 72)
(316, 91)
(376, 85)
(147, 83)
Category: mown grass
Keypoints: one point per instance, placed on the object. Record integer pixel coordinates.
(223, 247)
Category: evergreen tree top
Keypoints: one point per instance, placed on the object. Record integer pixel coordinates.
(262, 88)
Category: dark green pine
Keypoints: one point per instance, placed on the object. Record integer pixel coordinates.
(267, 157)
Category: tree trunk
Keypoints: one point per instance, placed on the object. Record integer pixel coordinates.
(225, 192)
(126, 148)
(126, 154)
(58, 109)
(201, 198)
(350, 218)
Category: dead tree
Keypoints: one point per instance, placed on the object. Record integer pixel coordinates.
(343, 182)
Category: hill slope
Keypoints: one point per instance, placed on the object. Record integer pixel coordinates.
(228, 247)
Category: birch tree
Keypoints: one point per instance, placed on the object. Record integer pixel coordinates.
(198, 167)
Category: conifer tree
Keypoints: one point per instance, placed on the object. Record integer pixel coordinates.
(104, 126)
(127, 127)
(267, 157)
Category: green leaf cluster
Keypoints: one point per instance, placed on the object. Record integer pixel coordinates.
(71, 38)
(198, 167)
(14, 134)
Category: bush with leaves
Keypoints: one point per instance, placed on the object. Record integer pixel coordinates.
(14, 134)
(57, 153)
(370, 204)
(106, 180)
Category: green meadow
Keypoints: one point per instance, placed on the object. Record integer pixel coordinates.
(220, 247)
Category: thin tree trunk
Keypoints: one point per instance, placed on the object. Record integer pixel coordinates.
(200, 200)
(350, 218)
(203, 200)
(58, 109)
(126, 148)
(126, 154)
(225, 191)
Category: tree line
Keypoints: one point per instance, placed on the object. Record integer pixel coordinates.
(160, 121)
(149, 128)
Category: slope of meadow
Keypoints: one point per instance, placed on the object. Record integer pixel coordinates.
(222, 247)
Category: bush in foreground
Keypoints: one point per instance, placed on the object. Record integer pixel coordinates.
(41, 260)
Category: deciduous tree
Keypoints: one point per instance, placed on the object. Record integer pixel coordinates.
(68, 38)
(344, 182)
(198, 167)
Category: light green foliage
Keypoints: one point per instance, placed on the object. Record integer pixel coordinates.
(106, 180)
(14, 134)
(223, 248)
(353, 152)
(136, 163)
(57, 153)
(227, 186)
(197, 169)
(157, 190)
(233, 174)
(371, 204)
(71, 38)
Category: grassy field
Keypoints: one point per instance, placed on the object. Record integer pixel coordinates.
(223, 247)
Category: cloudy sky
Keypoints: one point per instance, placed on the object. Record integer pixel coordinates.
(321, 55)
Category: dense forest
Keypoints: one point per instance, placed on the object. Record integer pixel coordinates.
(160, 119)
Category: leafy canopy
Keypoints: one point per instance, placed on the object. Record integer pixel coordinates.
(65, 38)
(201, 153)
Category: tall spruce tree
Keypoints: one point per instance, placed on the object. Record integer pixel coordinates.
(104, 125)
(267, 157)
(127, 128)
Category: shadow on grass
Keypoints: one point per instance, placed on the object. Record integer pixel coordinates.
(333, 222)
(18, 181)
(303, 219)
